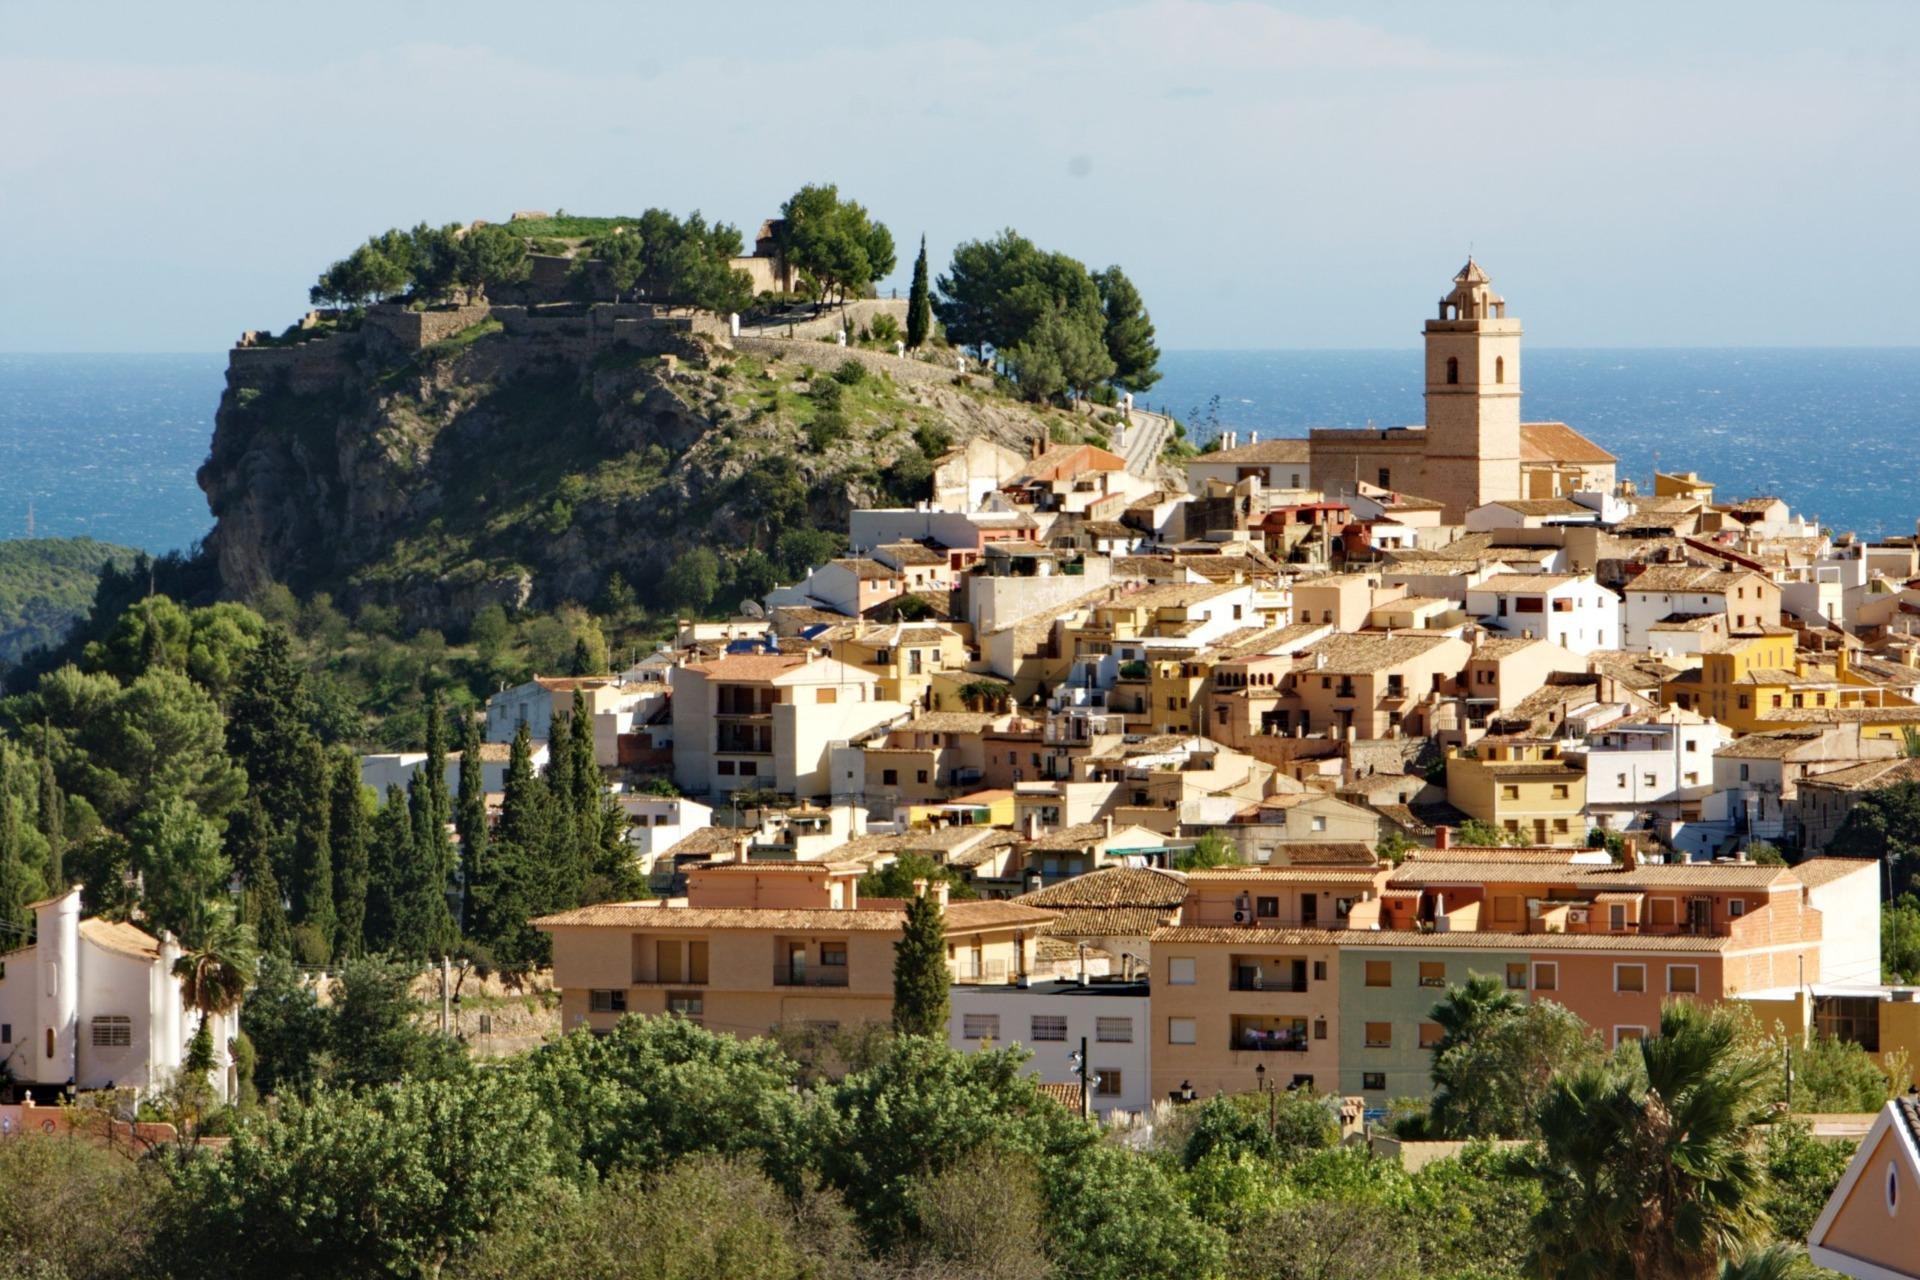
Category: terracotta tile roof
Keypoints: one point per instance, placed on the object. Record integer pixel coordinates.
(1525, 581)
(1843, 715)
(749, 666)
(1113, 887)
(1066, 462)
(1285, 875)
(911, 553)
(567, 684)
(1489, 941)
(1870, 776)
(1705, 875)
(1263, 453)
(121, 938)
(1686, 578)
(1355, 654)
(1543, 506)
(965, 916)
(1257, 937)
(962, 917)
(951, 722)
(1326, 853)
(1815, 872)
(706, 841)
(1777, 745)
(1112, 922)
(1558, 442)
(1067, 1095)
(869, 570)
(1077, 837)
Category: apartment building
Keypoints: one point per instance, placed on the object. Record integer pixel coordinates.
(1521, 785)
(1051, 1020)
(1744, 599)
(1571, 610)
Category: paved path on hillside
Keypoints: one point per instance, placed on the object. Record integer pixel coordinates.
(1145, 436)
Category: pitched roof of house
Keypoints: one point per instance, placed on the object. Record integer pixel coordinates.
(120, 937)
(911, 553)
(749, 666)
(1283, 449)
(1082, 835)
(1288, 874)
(1525, 581)
(1067, 461)
(1869, 776)
(1815, 872)
(962, 917)
(1686, 577)
(1558, 442)
(1543, 506)
(1704, 875)
(1113, 887)
(868, 570)
(1353, 654)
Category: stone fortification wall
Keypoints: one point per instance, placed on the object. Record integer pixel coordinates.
(583, 331)
(830, 356)
(308, 367)
(412, 330)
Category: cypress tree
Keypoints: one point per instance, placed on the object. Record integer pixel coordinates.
(422, 921)
(470, 810)
(919, 302)
(436, 764)
(15, 919)
(389, 849)
(347, 829)
(267, 728)
(53, 824)
(920, 971)
(250, 850)
(560, 845)
(523, 809)
(582, 659)
(313, 855)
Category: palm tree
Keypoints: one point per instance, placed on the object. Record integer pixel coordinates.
(1469, 1008)
(1649, 1167)
(217, 965)
(1775, 1262)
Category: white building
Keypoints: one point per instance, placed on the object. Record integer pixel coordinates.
(1747, 600)
(399, 768)
(1654, 764)
(95, 1003)
(1050, 1019)
(1571, 610)
(657, 823)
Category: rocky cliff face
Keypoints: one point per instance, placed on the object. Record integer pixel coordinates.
(525, 468)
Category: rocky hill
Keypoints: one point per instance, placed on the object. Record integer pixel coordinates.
(441, 461)
(46, 585)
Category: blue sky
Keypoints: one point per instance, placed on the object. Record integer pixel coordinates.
(1292, 175)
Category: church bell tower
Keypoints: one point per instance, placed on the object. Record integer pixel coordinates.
(1473, 397)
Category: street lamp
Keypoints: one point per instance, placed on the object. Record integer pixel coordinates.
(1186, 1091)
(1273, 1115)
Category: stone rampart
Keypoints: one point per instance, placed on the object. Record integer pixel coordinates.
(317, 365)
(412, 330)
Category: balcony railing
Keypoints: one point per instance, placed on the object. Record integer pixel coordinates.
(783, 977)
(1268, 1042)
(1280, 986)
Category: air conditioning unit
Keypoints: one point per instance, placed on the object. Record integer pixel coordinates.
(1576, 915)
(1239, 917)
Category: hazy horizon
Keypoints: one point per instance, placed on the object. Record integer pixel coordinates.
(1274, 177)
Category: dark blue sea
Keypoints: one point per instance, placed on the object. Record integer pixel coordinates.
(107, 445)
(1836, 432)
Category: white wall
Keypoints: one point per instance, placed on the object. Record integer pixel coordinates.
(1850, 927)
(1016, 1008)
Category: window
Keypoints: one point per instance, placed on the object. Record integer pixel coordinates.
(1107, 1082)
(613, 1001)
(1047, 1026)
(1617, 915)
(1559, 791)
(1379, 1035)
(1546, 976)
(1499, 368)
(1627, 1035)
(1319, 824)
(980, 1026)
(112, 1031)
(1683, 979)
(826, 696)
(1517, 976)
(690, 1005)
(1736, 907)
(889, 777)
(1113, 1030)
(1267, 908)
(1453, 371)
(1379, 973)
(1429, 1034)
(1743, 773)
(1509, 791)
(749, 769)
(1433, 973)
(1629, 977)
(1319, 1028)
(6, 1033)
(1319, 970)
(726, 768)
(1373, 1081)
(1180, 971)
(1180, 1031)
(833, 953)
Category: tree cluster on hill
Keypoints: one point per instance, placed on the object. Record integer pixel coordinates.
(1051, 324)
(835, 245)
(429, 264)
(661, 258)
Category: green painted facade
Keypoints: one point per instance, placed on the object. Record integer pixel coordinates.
(1405, 1004)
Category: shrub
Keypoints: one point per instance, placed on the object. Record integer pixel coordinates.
(850, 374)
(825, 393)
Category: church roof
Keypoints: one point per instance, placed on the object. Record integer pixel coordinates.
(1282, 450)
(1471, 273)
(1558, 442)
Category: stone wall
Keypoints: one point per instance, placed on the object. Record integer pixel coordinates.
(412, 330)
(308, 366)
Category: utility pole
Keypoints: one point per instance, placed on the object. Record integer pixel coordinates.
(1080, 1069)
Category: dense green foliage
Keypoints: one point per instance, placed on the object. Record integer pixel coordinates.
(665, 259)
(1053, 326)
(47, 585)
(1885, 824)
(1900, 940)
(919, 302)
(920, 974)
(835, 244)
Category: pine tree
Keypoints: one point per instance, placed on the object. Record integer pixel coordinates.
(313, 856)
(249, 844)
(523, 808)
(389, 850)
(920, 970)
(919, 302)
(470, 810)
(53, 824)
(347, 829)
(267, 728)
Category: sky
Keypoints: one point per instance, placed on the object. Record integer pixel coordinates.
(1270, 175)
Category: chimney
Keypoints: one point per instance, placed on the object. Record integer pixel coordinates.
(1033, 825)
(1253, 437)
(919, 888)
(1443, 836)
(1630, 852)
(1107, 825)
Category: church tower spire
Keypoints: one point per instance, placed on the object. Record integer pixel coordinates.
(1473, 396)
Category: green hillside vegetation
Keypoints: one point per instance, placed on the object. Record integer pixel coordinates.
(46, 585)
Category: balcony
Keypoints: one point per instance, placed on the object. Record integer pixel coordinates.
(830, 976)
(1271, 1036)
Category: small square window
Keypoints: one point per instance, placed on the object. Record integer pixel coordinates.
(980, 1026)
(1180, 971)
(1546, 976)
(1373, 1081)
(1683, 979)
(1430, 1034)
(1107, 1082)
(608, 1001)
(1379, 973)
(1736, 907)
(1113, 1030)
(1180, 1031)
(1379, 1035)
(1629, 977)
(1517, 976)
(1433, 973)
(1047, 1026)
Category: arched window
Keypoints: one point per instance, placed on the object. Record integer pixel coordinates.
(1499, 368)
(1453, 370)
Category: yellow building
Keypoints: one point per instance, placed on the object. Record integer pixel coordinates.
(904, 658)
(1520, 785)
(1686, 485)
(1759, 683)
(991, 808)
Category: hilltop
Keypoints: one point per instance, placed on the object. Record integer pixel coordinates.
(441, 460)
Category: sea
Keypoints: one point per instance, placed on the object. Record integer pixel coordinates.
(107, 445)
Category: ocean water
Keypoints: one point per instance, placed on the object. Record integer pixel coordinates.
(1836, 432)
(108, 445)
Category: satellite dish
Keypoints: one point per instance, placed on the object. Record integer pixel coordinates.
(751, 609)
